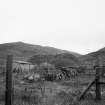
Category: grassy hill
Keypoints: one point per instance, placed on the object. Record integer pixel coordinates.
(25, 51)
(91, 59)
(61, 60)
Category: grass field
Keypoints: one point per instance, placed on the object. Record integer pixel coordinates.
(50, 93)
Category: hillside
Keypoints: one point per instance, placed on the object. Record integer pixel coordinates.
(91, 59)
(23, 51)
(61, 60)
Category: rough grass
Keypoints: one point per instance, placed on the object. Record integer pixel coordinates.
(50, 93)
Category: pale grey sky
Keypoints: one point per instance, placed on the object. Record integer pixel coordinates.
(75, 25)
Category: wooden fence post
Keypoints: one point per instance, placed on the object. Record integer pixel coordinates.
(98, 88)
(8, 95)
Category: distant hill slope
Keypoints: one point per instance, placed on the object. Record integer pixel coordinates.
(91, 59)
(24, 51)
(59, 60)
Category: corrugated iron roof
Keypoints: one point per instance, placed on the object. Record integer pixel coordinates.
(23, 62)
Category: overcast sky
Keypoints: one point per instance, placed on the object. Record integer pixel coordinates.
(75, 25)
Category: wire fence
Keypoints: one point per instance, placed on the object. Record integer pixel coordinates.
(27, 91)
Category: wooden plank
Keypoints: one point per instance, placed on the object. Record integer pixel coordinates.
(85, 91)
(8, 95)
